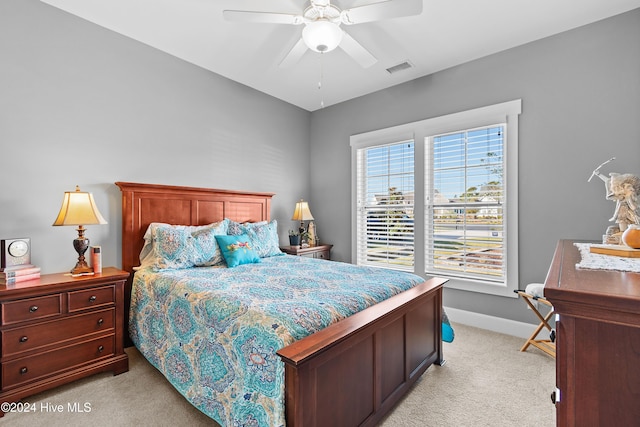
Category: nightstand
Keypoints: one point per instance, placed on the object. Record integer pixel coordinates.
(58, 328)
(321, 251)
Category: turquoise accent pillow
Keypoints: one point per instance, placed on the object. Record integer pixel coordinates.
(237, 250)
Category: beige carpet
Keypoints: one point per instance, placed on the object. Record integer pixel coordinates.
(486, 381)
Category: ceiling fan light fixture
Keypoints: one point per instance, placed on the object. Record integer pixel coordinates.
(322, 36)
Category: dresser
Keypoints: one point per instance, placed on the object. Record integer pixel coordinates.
(597, 342)
(59, 328)
(321, 251)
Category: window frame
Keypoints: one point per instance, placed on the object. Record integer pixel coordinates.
(506, 112)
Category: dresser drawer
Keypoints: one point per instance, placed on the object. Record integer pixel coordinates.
(26, 369)
(18, 340)
(89, 298)
(31, 309)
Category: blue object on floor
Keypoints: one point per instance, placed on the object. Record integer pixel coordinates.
(447, 331)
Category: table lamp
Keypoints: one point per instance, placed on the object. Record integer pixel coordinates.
(79, 208)
(302, 214)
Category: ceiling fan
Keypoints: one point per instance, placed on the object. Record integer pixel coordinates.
(322, 20)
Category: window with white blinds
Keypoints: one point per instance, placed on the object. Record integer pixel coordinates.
(439, 197)
(385, 212)
(465, 194)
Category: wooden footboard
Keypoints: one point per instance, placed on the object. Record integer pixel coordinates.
(353, 372)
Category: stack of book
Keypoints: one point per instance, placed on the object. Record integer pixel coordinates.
(18, 273)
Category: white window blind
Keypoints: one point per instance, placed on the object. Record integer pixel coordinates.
(385, 212)
(465, 196)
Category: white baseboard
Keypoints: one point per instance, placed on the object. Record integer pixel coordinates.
(492, 323)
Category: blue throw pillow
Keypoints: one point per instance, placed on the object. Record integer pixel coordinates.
(237, 250)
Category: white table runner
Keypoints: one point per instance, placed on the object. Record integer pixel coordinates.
(605, 262)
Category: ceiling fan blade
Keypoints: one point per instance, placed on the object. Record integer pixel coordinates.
(262, 17)
(382, 10)
(354, 49)
(294, 54)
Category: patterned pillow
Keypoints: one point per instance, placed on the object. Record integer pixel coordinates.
(236, 228)
(264, 239)
(172, 247)
(237, 250)
(205, 247)
(263, 236)
(167, 247)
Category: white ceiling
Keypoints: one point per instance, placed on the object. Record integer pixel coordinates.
(447, 33)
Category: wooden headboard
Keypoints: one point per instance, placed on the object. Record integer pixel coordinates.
(143, 204)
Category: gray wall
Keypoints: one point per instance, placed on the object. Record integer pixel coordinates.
(580, 94)
(82, 105)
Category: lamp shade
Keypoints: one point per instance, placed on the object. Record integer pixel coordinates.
(302, 212)
(322, 36)
(78, 208)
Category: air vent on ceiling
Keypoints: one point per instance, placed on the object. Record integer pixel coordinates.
(402, 66)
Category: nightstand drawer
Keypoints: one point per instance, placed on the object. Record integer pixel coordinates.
(30, 368)
(96, 297)
(31, 309)
(318, 255)
(18, 340)
(322, 251)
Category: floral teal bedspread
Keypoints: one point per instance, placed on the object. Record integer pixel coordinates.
(214, 332)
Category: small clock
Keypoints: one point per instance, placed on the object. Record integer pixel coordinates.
(15, 252)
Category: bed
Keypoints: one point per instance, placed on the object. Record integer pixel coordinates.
(337, 370)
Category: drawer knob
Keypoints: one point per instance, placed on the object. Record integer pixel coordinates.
(33, 308)
(552, 335)
(24, 339)
(92, 298)
(100, 349)
(100, 321)
(23, 370)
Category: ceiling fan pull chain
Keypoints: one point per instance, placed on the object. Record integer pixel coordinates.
(320, 82)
